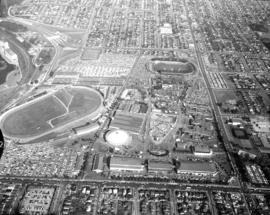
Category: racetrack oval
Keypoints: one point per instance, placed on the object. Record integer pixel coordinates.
(50, 112)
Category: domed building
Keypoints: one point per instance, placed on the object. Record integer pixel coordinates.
(118, 139)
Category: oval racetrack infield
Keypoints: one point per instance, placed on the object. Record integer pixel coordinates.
(49, 112)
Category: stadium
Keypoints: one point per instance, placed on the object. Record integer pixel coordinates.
(50, 113)
(118, 139)
(172, 66)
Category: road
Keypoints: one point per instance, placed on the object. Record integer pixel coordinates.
(44, 180)
(26, 59)
(217, 113)
(48, 35)
(215, 108)
(26, 67)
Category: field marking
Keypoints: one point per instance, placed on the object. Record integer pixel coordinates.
(70, 96)
(59, 100)
(62, 103)
(65, 114)
(50, 124)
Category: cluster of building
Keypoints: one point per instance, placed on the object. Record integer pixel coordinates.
(256, 174)
(264, 81)
(258, 203)
(41, 160)
(243, 81)
(116, 200)
(192, 202)
(240, 61)
(217, 80)
(245, 102)
(160, 125)
(198, 125)
(229, 203)
(138, 166)
(166, 94)
(108, 69)
(232, 62)
(9, 195)
(154, 201)
(66, 14)
(158, 28)
(180, 124)
(81, 200)
(37, 200)
(196, 96)
(250, 138)
(101, 71)
(222, 21)
(255, 102)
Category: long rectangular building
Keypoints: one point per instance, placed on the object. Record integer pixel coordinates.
(159, 167)
(197, 168)
(126, 164)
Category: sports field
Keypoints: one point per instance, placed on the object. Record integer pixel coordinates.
(47, 113)
(175, 66)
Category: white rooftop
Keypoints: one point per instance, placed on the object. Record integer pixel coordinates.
(118, 138)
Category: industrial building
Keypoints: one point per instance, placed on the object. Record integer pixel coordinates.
(126, 164)
(202, 151)
(84, 130)
(160, 167)
(197, 168)
(98, 163)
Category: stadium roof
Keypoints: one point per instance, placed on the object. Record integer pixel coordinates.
(118, 138)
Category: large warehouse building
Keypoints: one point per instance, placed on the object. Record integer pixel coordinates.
(197, 168)
(160, 167)
(125, 164)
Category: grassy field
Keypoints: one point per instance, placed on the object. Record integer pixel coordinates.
(33, 119)
(84, 101)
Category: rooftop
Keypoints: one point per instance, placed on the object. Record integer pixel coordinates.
(118, 138)
(159, 166)
(192, 166)
(125, 162)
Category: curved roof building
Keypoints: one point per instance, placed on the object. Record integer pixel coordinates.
(118, 138)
